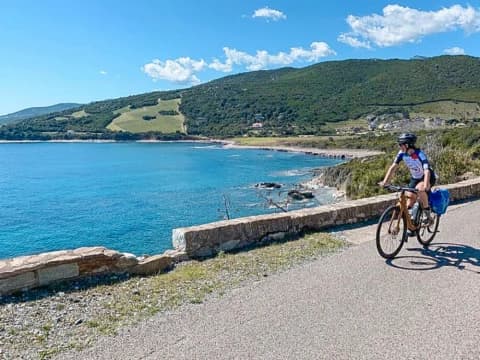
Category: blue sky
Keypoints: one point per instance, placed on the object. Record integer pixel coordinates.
(81, 51)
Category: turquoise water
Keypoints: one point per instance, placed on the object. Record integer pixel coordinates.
(129, 196)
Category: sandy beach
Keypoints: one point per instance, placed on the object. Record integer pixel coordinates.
(332, 153)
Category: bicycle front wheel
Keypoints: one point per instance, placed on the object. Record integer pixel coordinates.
(428, 227)
(391, 232)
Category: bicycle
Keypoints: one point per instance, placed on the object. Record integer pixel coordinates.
(395, 221)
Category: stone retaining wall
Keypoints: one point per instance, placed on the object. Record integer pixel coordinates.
(29, 272)
(206, 240)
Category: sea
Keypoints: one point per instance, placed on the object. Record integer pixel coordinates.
(129, 196)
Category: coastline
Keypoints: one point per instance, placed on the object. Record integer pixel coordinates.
(205, 141)
(346, 154)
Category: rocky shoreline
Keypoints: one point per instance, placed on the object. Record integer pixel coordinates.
(317, 181)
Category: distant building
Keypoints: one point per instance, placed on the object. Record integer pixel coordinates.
(259, 117)
(257, 125)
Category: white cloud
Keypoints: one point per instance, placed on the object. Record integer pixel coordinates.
(269, 14)
(454, 51)
(353, 41)
(181, 70)
(103, 72)
(400, 24)
(185, 69)
(218, 66)
(262, 59)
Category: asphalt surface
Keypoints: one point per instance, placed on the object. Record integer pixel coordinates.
(425, 304)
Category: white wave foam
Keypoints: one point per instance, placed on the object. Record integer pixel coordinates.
(208, 147)
(292, 172)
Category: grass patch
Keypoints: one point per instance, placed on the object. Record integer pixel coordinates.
(79, 114)
(133, 120)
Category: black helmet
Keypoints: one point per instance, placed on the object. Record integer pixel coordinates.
(407, 138)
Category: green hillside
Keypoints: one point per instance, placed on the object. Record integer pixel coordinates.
(288, 101)
(302, 101)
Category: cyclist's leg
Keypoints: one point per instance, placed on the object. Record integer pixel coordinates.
(412, 197)
(422, 195)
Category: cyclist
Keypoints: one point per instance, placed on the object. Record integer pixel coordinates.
(422, 175)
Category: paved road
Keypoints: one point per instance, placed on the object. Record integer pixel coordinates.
(353, 305)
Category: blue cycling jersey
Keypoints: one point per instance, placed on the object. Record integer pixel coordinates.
(416, 162)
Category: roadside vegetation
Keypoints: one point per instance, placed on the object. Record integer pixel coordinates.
(454, 154)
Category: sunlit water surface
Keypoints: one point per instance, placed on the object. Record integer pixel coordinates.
(129, 196)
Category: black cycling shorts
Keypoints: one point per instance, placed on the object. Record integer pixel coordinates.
(413, 182)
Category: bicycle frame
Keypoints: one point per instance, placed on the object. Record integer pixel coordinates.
(402, 204)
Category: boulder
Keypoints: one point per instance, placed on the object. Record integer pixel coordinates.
(153, 265)
(268, 185)
(300, 194)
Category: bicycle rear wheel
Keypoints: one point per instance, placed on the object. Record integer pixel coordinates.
(391, 232)
(428, 227)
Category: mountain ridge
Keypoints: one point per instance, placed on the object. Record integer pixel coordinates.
(36, 111)
(286, 101)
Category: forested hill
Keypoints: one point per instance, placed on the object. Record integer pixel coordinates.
(285, 101)
(329, 92)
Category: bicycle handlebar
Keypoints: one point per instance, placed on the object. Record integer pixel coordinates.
(400, 188)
